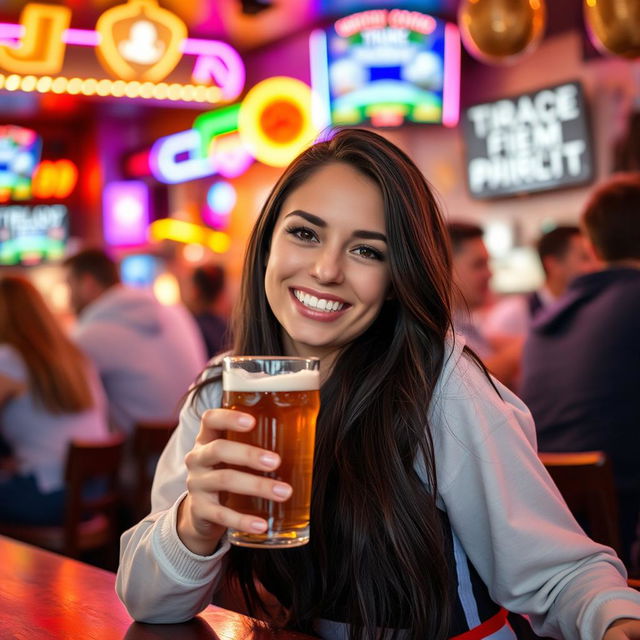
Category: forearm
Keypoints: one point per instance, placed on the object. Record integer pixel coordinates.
(159, 579)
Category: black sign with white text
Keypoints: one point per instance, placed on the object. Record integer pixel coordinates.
(533, 142)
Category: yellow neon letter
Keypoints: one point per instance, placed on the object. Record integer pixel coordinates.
(41, 49)
(140, 40)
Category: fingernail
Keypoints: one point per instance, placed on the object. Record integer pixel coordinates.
(282, 490)
(258, 525)
(268, 459)
(245, 421)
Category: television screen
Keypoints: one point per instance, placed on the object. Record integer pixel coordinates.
(387, 67)
(33, 234)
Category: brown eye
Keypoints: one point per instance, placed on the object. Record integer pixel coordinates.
(302, 233)
(369, 253)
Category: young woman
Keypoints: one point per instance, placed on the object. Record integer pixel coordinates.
(49, 394)
(430, 508)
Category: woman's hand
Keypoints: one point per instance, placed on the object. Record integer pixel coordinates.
(623, 629)
(202, 519)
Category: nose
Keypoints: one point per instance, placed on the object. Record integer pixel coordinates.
(327, 266)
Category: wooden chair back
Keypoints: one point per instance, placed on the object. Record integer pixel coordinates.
(149, 441)
(92, 484)
(585, 480)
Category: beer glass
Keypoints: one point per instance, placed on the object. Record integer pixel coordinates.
(283, 396)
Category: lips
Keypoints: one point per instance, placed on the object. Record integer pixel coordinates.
(318, 306)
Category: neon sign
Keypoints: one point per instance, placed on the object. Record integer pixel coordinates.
(23, 176)
(189, 233)
(142, 47)
(125, 213)
(41, 42)
(20, 150)
(221, 199)
(275, 120)
(272, 124)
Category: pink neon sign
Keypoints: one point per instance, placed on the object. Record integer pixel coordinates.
(155, 43)
(125, 215)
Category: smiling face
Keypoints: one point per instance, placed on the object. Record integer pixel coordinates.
(327, 274)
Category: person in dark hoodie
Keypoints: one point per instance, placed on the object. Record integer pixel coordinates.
(206, 300)
(581, 365)
(147, 354)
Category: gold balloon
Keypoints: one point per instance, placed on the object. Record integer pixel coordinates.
(499, 31)
(614, 26)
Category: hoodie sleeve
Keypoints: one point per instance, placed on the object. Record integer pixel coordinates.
(160, 580)
(510, 518)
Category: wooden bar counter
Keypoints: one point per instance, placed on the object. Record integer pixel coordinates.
(44, 596)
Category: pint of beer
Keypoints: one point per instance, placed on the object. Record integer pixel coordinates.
(283, 396)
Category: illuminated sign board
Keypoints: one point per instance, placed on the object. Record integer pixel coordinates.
(137, 50)
(20, 150)
(32, 234)
(23, 176)
(272, 124)
(125, 213)
(388, 67)
(533, 142)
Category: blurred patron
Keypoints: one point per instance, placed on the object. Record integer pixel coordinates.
(471, 275)
(581, 364)
(50, 394)
(147, 354)
(206, 300)
(564, 254)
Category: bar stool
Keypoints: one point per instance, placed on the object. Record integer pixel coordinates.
(585, 480)
(90, 520)
(149, 441)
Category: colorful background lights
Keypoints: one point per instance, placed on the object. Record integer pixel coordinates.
(221, 199)
(126, 213)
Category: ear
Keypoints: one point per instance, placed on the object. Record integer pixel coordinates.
(596, 252)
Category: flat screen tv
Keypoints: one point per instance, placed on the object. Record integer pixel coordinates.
(387, 68)
(31, 234)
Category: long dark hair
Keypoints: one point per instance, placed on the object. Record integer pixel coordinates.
(376, 557)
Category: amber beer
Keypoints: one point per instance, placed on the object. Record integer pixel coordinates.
(283, 396)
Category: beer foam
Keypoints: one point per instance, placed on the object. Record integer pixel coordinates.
(241, 380)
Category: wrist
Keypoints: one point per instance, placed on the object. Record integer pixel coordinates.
(202, 543)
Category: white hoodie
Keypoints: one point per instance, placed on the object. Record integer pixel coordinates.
(502, 505)
(147, 354)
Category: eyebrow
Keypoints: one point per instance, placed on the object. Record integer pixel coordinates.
(319, 222)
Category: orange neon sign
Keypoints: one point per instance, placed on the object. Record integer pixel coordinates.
(140, 41)
(139, 51)
(54, 179)
(42, 44)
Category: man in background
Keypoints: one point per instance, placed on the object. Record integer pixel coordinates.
(564, 254)
(581, 364)
(147, 354)
(206, 300)
(471, 276)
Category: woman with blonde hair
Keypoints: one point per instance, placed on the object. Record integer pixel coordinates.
(49, 394)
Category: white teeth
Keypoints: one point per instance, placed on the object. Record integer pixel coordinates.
(319, 304)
